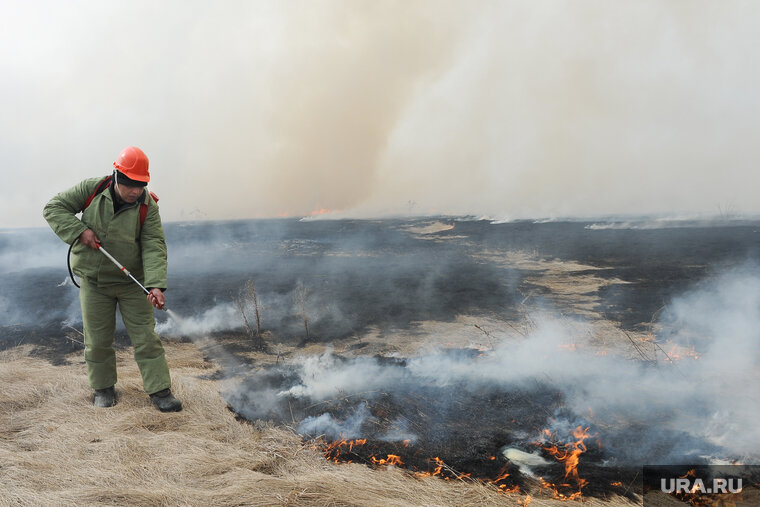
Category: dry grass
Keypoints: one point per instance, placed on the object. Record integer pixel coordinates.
(57, 449)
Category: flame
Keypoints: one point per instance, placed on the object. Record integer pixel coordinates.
(334, 451)
(503, 488)
(346, 450)
(617, 483)
(570, 457)
(439, 464)
(320, 211)
(391, 460)
(502, 474)
(526, 502)
(678, 352)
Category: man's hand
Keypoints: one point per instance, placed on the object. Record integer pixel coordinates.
(88, 238)
(156, 298)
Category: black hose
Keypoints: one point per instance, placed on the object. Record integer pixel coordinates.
(68, 263)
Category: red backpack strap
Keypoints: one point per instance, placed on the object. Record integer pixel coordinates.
(144, 208)
(101, 186)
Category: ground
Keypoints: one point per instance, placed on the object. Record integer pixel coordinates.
(379, 289)
(57, 449)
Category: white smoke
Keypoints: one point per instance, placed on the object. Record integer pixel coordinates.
(218, 318)
(334, 429)
(325, 376)
(721, 321)
(672, 404)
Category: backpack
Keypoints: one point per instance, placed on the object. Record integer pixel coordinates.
(104, 184)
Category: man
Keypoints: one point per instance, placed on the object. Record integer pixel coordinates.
(119, 214)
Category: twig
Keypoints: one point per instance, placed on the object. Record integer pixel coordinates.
(636, 346)
(454, 472)
(75, 329)
(75, 341)
(488, 335)
(628, 488)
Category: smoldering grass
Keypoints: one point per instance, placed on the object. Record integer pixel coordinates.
(60, 450)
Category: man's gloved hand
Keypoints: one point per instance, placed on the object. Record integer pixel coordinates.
(88, 238)
(156, 298)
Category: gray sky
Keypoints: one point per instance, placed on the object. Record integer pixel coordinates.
(500, 108)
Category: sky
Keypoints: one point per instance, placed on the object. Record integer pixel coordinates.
(358, 108)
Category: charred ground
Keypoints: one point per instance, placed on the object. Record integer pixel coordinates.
(388, 277)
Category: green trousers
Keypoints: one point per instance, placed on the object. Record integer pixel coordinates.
(99, 320)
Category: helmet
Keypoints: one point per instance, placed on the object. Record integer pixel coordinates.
(133, 164)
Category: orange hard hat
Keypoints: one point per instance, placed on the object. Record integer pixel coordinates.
(133, 164)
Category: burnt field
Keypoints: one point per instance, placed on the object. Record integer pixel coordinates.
(389, 274)
(547, 358)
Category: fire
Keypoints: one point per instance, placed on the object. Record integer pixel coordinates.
(526, 502)
(678, 352)
(503, 474)
(439, 464)
(570, 457)
(503, 488)
(346, 450)
(320, 211)
(391, 460)
(673, 351)
(335, 451)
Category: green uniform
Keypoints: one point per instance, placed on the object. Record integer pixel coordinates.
(142, 250)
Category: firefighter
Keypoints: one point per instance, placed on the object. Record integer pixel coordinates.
(119, 214)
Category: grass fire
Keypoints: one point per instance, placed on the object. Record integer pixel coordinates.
(530, 363)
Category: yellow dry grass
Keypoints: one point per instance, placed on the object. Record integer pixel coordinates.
(57, 449)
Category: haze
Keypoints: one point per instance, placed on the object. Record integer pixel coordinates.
(505, 109)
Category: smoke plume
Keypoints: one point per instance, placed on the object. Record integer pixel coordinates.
(685, 397)
(506, 109)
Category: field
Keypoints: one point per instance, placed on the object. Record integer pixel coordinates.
(449, 361)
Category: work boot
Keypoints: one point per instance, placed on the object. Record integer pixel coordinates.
(104, 397)
(165, 401)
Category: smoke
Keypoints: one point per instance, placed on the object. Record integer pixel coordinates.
(29, 249)
(333, 429)
(324, 376)
(641, 409)
(262, 109)
(223, 317)
(721, 321)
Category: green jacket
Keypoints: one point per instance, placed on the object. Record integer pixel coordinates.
(142, 250)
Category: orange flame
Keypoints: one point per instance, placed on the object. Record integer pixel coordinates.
(570, 457)
(335, 450)
(391, 460)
